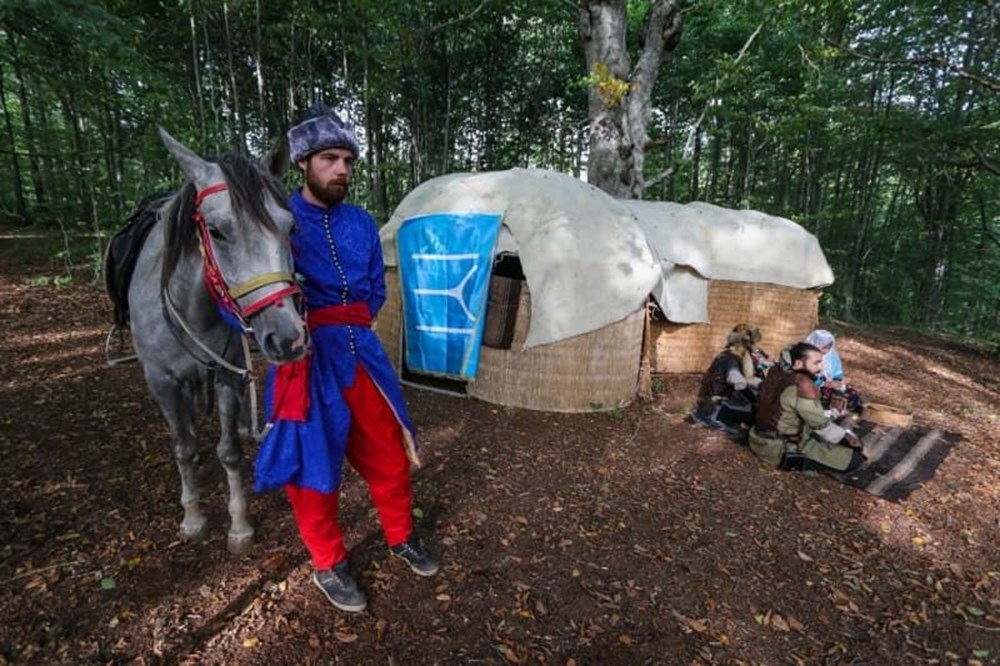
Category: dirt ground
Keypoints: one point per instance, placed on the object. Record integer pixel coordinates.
(626, 537)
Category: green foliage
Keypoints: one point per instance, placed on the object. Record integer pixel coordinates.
(872, 123)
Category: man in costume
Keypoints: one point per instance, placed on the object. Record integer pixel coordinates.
(791, 431)
(343, 400)
(725, 396)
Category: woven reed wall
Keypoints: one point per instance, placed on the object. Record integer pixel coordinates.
(784, 315)
(597, 370)
(389, 324)
(575, 375)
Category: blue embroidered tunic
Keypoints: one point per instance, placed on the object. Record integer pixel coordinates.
(339, 258)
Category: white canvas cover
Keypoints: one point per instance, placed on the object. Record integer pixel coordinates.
(698, 242)
(586, 261)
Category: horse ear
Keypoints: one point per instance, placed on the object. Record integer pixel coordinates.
(278, 159)
(193, 166)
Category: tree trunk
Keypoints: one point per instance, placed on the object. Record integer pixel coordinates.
(239, 129)
(22, 208)
(196, 71)
(259, 73)
(82, 173)
(619, 97)
(38, 185)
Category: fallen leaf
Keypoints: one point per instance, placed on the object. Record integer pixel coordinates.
(695, 625)
(779, 623)
(274, 562)
(345, 635)
(804, 557)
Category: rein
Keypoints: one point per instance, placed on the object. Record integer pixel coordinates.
(226, 298)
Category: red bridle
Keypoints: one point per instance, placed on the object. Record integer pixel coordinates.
(226, 297)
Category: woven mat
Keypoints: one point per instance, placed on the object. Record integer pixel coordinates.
(900, 459)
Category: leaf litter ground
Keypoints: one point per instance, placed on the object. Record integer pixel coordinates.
(625, 537)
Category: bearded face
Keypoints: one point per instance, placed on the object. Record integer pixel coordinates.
(810, 365)
(328, 175)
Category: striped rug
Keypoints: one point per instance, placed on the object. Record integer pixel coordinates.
(900, 459)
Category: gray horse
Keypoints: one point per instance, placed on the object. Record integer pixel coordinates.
(219, 251)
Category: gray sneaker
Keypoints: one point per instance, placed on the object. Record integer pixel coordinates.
(412, 552)
(340, 588)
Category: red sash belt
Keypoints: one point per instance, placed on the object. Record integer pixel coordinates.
(291, 381)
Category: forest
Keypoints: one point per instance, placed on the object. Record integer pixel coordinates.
(873, 123)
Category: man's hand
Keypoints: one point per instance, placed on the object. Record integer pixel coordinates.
(855, 442)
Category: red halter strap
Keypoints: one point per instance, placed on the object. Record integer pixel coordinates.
(207, 192)
(214, 280)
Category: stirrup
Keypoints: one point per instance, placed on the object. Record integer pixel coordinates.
(120, 357)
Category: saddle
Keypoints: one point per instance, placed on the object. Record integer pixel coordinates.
(123, 252)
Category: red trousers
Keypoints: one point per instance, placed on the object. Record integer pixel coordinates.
(375, 450)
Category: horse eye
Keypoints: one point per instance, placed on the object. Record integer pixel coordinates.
(216, 234)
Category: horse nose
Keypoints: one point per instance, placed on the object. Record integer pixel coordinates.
(282, 348)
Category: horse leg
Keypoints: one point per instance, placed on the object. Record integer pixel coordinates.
(230, 452)
(177, 404)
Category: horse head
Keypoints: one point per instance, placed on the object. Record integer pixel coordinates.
(234, 209)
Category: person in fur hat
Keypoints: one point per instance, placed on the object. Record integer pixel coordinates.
(343, 400)
(757, 362)
(725, 396)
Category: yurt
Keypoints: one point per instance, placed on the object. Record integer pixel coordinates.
(722, 267)
(570, 274)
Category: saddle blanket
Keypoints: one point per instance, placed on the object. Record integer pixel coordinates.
(123, 251)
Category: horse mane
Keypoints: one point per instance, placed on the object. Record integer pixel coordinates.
(249, 187)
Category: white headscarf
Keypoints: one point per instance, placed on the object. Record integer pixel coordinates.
(832, 367)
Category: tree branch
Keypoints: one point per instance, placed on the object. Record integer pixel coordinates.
(458, 19)
(985, 221)
(693, 132)
(994, 9)
(984, 162)
(662, 33)
(936, 60)
(655, 180)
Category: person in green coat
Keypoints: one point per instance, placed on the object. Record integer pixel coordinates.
(791, 431)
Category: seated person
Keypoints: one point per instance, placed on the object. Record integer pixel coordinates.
(760, 362)
(791, 431)
(835, 393)
(725, 397)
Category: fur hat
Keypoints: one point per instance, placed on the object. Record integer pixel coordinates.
(740, 336)
(321, 128)
(750, 333)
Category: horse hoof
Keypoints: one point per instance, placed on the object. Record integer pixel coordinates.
(239, 544)
(196, 532)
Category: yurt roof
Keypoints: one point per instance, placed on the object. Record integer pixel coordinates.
(698, 242)
(586, 261)
(738, 245)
